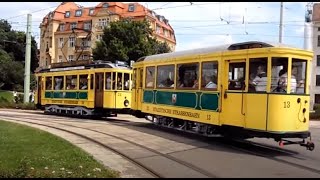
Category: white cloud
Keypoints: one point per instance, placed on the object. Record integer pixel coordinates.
(200, 24)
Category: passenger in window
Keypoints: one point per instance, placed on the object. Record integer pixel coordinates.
(169, 83)
(119, 83)
(108, 82)
(149, 79)
(283, 81)
(209, 82)
(260, 81)
(232, 85)
(126, 85)
(251, 87)
(195, 84)
(84, 85)
(300, 87)
(58, 83)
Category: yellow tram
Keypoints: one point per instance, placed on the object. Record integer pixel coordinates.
(244, 90)
(89, 89)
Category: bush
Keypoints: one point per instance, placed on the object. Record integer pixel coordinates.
(3, 100)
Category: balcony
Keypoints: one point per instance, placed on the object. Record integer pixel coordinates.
(82, 48)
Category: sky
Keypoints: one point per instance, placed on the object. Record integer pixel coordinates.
(196, 24)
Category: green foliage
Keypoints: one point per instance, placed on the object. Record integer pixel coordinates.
(6, 96)
(12, 57)
(128, 40)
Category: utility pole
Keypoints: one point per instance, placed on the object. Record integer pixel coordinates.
(281, 24)
(27, 61)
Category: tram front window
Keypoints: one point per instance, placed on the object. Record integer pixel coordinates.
(280, 74)
(299, 71)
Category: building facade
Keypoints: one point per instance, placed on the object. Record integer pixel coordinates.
(315, 67)
(58, 43)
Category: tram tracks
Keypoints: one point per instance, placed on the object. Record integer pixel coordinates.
(256, 149)
(136, 161)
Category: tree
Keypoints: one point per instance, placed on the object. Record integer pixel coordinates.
(12, 57)
(127, 40)
(11, 72)
(14, 42)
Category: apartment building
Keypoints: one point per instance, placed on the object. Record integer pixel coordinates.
(315, 67)
(58, 43)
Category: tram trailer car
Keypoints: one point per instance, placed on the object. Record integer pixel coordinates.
(93, 90)
(244, 90)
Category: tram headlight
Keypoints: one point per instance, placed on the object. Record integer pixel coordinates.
(126, 103)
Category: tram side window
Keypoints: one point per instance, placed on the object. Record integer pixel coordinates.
(279, 77)
(58, 83)
(113, 81)
(209, 78)
(108, 81)
(258, 79)
(83, 82)
(298, 75)
(91, 81)
(126, 81)
(165, 76)
(134, 78)
(48, 83)
(237, 74)
(119, 81)
(71, 82)
(150, 72)
(188, 75)
(140, 78)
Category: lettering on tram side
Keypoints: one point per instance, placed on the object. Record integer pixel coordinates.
(70, 102)
(177, 112)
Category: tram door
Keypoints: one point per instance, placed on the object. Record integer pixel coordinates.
(139, 89)
(234, 96)
(98, 102)
(39, 92)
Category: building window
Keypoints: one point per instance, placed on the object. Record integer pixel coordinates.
(317, 98)
(67, 14)
(87, 25)
(91, 12)
(318, 41)
(85, 57)
(165, 33)
(86, 43)
(71, 41)
(318, 28)
(78, 13)
(99, 37)
(105, 5)
(60, 42)
(102, 22)
(158, 29)
(61, 27)
(60, 59)
(318, 60)
(318, 80)
(131, 8)
(70, 58)
(73, 25)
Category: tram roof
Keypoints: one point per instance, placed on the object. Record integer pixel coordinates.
(96, 64)
(220, 48)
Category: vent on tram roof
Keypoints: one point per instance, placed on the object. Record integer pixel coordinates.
(249, 45)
